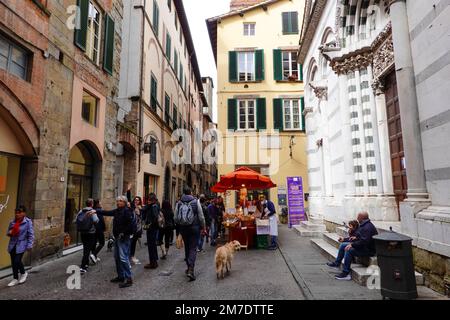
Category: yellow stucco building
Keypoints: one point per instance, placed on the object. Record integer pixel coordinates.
(260, 92)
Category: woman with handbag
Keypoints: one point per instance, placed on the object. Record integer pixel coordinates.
(166, 231)
(136, 206)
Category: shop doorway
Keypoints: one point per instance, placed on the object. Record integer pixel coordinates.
(9, 187)
(83, 177)
(395, 138)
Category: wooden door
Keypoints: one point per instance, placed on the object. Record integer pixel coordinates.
(395, 138)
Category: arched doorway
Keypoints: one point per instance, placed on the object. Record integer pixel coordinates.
(82, 183)
(167, 184)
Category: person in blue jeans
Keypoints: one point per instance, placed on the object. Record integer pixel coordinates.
(213, 213)
(361, 245)
(124, 226)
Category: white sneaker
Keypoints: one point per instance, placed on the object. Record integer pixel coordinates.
(93, 258)
(135, 261)
(23, 278)
(13, 283)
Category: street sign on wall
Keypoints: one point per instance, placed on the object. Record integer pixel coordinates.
(296, 204)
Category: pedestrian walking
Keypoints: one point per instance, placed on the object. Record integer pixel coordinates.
(124, 226)
(169, 225)
(204, 235)
(189, 217)
(136, 206)
(221, 212)
(21, 238)
(86, 221)
(150, 216)
(100, 229)
(213, 214)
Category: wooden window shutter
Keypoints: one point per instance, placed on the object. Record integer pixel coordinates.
(232, 66)
(155, 18)
(278, 114)
(301, 72)
(294, 22)
(81, 32)
(108, 56)
(259, 65)
(232, 114)
(277, 65)
(261, 118)
(285, 17)
(302, 108)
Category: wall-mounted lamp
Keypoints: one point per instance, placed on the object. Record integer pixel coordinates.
(291, 144)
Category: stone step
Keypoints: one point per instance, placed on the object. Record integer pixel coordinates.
(316, 220)
(332, 238)
(313, 226)
(307, 233)
(342, 232)
(360, 273)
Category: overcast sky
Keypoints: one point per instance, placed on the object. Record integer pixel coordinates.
(197, 12)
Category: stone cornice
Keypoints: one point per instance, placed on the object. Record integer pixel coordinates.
(309, 30)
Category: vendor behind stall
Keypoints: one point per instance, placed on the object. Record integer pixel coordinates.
(268, 209)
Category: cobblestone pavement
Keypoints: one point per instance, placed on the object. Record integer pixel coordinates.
(256, 275)
(296, 272)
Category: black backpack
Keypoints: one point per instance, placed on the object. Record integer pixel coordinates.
(84, 221)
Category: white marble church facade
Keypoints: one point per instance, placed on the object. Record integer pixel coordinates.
(378, 136)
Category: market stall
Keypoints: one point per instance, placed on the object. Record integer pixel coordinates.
(245, 222)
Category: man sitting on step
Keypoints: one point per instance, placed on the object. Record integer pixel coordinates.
(362, 245)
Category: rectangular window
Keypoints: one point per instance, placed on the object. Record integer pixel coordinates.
(168, 46)
(176, 21)
(291, 69)
(93, 33)
(153, 151)
(175, 116)
(167, 109)
(155, 18)
(13, 59)
(89, 108)
(246, 66)
(175, 63)
(154, 93)
(169, 4)
(249, 29)
(292, 115)
(247, 116)
(290, 22)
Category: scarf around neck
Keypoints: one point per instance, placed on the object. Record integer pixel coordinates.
(16, 228)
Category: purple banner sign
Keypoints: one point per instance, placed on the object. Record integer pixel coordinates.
(296, 204)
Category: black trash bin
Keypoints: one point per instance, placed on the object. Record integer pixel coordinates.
(395, 259)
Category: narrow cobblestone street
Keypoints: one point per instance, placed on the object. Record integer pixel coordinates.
(256, 275)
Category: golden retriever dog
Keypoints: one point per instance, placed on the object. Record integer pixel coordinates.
(224, 257)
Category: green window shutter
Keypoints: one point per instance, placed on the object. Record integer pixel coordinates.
(285, 18)
(259, 65)
(155, 18)
(167, 107)
(232, 114)
(261, 114)
(108, 57)
(277, 65)
(168, 46)
(232, 66)
(301, 72)
(302, 108)
(278, 114)
(81, 31)
(154, 90)
(175, 63)
(294, 22)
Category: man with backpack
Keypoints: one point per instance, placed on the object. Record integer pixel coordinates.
(190, 219)
(86, 221)
(151, 218)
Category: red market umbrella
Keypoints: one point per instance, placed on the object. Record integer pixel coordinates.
(243, 178)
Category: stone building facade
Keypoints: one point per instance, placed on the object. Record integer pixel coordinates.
(376, 114)
(160, 92)
(61, 109)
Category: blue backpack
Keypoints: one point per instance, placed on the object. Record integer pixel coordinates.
(84, 221)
